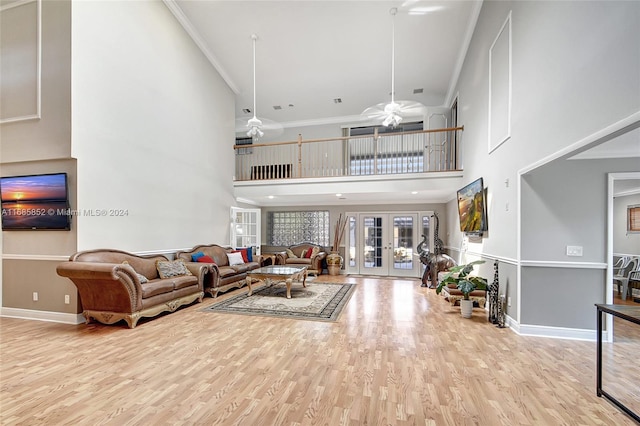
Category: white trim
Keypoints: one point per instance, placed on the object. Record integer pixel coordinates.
(45, 257)
(503, 259)
(556, 332)
(562, 264)
(198, 40)
(602, 135)
(38, 113)
(30, 314)
(505, 25)
(471, 27)
(359, 178)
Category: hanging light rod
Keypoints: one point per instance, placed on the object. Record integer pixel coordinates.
(393, 112)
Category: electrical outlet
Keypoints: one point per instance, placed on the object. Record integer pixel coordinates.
(66, 299)
(574, 251)
(35, 296)
(509, 301)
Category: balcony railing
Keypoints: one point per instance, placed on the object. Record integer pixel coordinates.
(378, 154)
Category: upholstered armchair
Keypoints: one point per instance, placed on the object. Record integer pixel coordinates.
(303, 254)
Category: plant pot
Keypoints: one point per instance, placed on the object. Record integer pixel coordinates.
(466, 308)
(334, 263)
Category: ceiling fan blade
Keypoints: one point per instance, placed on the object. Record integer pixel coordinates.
(264, 127)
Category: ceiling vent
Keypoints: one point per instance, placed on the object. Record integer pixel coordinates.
(416, 91)
(337, 101)
(246, 110)
(277, 107)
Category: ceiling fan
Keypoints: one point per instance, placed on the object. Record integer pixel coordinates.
(392, 113)
(256, 126)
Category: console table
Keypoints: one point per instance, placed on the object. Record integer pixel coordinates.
(629, 313)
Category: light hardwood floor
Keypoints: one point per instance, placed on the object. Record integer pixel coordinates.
(398, 355)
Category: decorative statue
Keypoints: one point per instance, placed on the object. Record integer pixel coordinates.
(501, 311)
(493, 295)
(436, 261)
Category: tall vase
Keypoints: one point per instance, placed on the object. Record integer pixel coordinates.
(334, 263)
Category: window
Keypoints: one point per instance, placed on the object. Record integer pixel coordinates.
(633, 219)
(390, 154)
(288, 228)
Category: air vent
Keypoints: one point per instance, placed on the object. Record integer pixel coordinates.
(337, 101)
(246, 110)
(276, 107)
(416, 91)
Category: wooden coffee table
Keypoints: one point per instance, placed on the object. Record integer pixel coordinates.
(278, 273)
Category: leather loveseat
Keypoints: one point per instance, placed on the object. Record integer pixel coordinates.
(307, 254)
(222, 275)
(115, 285)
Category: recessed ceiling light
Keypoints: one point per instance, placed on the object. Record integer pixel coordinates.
(338, 195)
(271, 197)
(414, 192)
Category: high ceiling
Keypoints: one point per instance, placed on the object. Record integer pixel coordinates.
(310, 53)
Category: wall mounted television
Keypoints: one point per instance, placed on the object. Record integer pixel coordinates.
(35, 202)
(472, 208)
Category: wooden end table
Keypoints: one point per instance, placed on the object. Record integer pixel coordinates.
(278, 273)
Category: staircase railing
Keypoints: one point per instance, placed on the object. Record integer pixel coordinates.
(378, 154)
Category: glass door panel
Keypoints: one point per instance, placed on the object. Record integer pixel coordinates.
(374, 249)
(403, 244)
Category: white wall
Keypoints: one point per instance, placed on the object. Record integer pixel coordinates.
(153, 129)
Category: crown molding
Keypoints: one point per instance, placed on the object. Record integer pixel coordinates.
(198, 40)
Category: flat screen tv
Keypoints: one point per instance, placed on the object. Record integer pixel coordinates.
(35, 202)
(472, 208)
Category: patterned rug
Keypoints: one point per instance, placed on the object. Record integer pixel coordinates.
(317, 302)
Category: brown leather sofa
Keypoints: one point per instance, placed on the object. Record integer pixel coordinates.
(115, 285)
(222, 276)
(313, 263)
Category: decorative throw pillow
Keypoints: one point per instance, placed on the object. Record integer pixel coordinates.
(141, 277)
(250, 254)
(196, 256)
(206, 259)
(168, 269)
(303, 254)
(235, 258)
(309, 253)
(291, 254)
(245, 256)
(315, 251)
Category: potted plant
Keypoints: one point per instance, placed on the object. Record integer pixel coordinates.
(459, 275)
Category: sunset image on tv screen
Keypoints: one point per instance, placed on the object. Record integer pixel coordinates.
(34, 188)
(34, 202)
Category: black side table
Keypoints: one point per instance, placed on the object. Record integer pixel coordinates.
(629, 313)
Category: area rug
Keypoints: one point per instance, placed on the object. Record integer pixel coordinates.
(318, 301)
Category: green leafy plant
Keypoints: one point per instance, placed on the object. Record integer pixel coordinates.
(459, 275)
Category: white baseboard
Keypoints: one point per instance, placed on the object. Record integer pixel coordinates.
(553, 332)
(30, 314)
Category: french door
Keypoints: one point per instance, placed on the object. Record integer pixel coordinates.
(384, 244)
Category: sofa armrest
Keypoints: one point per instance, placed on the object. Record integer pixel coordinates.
(281, 258)
(316, 261)
(104, 286)
(199, 270)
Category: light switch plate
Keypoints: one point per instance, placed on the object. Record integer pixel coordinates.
(574, 250)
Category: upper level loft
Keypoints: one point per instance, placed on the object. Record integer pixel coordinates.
(373, 165)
